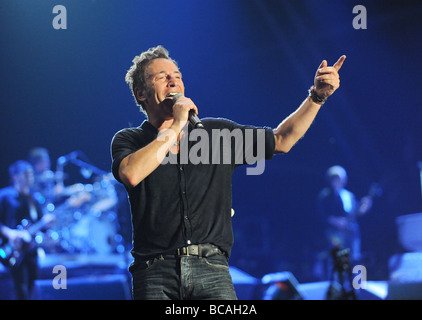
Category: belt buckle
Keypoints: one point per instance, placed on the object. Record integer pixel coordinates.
(181, 254)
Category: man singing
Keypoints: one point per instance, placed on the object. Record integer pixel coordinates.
(181, 210)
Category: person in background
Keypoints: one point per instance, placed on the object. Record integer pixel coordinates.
(48, 185)
(339, 211)
(20, 209)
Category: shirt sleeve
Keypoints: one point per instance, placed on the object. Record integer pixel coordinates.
(123, 144)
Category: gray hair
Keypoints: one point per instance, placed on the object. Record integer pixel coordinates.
(338, 171)
(135, 77)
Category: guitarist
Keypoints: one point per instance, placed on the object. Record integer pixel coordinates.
(339, 210)
(17, 204)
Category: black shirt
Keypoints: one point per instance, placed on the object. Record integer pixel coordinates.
(184, 202)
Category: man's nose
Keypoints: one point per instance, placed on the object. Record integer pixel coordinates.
(171, 80)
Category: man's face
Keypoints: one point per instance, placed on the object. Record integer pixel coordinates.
(24, 179)
(162, 77)
(42, 165)
(337, 182)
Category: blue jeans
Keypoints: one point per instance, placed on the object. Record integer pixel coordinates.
(182, 278)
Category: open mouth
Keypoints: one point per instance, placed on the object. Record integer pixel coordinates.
(174, 96)
(171, 94)
(169, 99)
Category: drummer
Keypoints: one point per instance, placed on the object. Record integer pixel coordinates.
(48, 186)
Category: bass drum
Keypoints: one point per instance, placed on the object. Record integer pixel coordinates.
(93, 234)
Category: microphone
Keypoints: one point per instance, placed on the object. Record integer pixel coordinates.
(193, 118)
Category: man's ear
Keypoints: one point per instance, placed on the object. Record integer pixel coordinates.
(140, 95)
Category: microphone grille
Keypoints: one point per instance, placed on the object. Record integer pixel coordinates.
(176, 97)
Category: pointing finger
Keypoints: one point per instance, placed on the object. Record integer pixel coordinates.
(339, 62)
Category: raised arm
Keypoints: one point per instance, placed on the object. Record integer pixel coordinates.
(291, 129)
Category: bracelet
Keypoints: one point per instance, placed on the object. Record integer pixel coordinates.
(315, 97)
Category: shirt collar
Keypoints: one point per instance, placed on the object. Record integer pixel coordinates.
(147, 126)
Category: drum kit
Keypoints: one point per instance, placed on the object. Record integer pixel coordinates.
(86, 215)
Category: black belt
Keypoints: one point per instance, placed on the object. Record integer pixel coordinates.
(200, 250)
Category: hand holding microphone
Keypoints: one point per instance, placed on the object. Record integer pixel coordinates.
(193, 118)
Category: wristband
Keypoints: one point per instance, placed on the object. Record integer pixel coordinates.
(315, 97)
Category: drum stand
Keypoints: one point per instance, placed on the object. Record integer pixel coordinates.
(339, 289)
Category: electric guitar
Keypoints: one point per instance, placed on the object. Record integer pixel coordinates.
(341, 236)
(12, 253)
